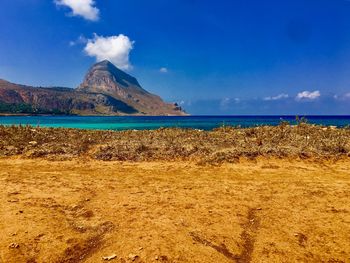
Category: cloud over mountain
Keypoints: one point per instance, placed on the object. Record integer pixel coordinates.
(113, 48)
(84, 8)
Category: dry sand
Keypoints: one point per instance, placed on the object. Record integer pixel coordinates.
(266, 210)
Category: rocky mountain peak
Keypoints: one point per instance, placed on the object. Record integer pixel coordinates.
(105, 78)
(105, 72)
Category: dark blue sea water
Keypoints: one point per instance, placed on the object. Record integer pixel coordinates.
(142, 123)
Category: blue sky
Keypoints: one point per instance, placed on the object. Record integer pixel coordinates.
(213, 57)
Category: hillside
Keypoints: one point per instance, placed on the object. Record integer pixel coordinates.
(106, 90)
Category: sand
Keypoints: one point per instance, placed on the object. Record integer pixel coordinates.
(267, 210)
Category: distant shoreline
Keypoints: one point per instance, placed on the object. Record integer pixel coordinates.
(24, 114)
(189, 115)
(146, 122)
(88, 115)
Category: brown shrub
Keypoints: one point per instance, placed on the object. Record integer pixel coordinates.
(225, 144)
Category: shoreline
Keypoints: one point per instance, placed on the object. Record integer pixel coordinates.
(29, 114)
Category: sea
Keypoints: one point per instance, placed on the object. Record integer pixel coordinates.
(156, 122)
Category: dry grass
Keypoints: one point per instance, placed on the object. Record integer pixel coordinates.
(220, 145)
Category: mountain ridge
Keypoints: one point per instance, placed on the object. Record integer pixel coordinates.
(105, 90)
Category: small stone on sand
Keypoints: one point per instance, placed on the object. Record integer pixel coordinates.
(14, 245)
(133, 256)
(108, 258)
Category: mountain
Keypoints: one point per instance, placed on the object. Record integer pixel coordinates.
(106, 90)
(105, 78)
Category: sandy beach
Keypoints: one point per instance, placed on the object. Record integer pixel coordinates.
(267, 210)
(265, 194)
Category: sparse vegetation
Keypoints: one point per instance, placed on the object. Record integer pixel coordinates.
(225, 144)
(23, 108)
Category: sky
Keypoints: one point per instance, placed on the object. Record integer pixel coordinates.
(233, 57)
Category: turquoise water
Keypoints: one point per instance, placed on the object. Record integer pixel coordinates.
(142, 123)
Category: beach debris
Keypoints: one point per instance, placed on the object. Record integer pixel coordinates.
(74, 207)
(133, 257)
(33, 143)
(14, 245)
(161, 258)
(13, 193)
(140, 248)
(108, 258)
(37, 238)
(80, 228)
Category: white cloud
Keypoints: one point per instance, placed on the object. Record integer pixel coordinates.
(84, 8)
(308, 95)
(163, 70)
(116, 49)
(224, 102)
(278, 97)
(81, 40)
(342, 97)
(227, 101)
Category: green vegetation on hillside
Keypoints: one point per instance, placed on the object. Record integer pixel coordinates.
(18, 108)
